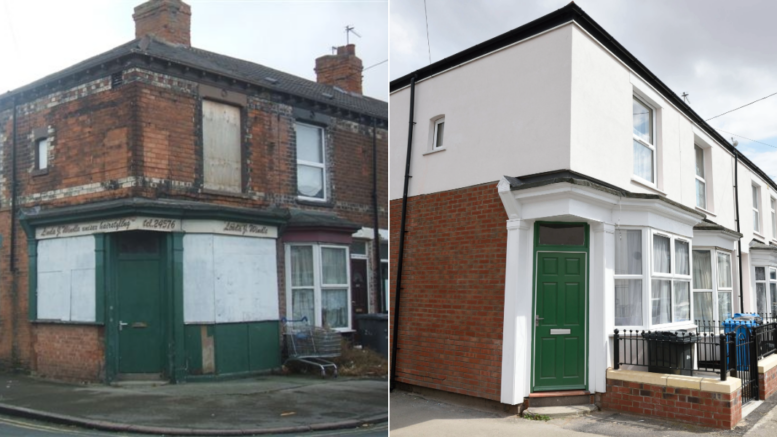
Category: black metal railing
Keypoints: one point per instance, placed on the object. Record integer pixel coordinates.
(765, 339)
(681, 353)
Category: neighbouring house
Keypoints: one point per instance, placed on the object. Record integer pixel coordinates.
(539, 215)
(165, 207)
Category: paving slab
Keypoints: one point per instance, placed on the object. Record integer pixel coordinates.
(557, 412)
(266, 404)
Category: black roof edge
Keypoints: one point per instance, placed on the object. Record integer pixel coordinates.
(573, 12)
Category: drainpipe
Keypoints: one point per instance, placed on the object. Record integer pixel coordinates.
(400, 256)
(375, 221)
(12, 261)
(739, 243)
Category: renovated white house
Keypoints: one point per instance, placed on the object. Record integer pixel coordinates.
(575, 194)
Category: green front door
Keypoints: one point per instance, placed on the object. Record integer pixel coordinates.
(560, 325)
(140, 302)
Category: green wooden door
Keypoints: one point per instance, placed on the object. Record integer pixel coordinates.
(560, 327)
(139, 288)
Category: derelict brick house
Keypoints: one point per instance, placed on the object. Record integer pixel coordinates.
(557, 190)
(164, 207)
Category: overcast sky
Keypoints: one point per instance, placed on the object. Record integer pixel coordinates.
(40, 37)
(722, 53)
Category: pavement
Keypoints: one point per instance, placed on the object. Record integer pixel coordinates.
(413, 415)
(272, 404)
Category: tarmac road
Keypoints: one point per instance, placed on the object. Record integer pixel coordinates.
(16, 427)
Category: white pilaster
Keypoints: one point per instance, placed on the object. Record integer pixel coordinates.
(601, 312)
(516, 338)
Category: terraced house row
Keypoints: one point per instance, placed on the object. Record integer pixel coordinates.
(164, 207)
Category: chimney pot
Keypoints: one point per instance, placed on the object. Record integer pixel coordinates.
(169, 20)
(343, 70)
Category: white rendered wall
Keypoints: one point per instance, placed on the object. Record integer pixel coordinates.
(505, 114)
(66, 279)
(229, 279)
(601, 141)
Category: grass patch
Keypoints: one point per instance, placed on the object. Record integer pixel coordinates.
(536, 417)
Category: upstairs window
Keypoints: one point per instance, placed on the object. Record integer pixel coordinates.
(311, 168)
(42, 154)
(439, 130)
(701, 183)
(756, 209)
(643, 141)
(221, 147)
(774, 220)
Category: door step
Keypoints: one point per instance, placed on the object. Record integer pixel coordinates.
(562, 411)
(558, 398)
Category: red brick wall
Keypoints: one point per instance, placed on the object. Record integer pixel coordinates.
(767, 384)
(716, 410)
(69, 352)
(452, 302)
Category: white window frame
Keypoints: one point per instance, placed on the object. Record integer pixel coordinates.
(318, 283)
(437, 124)
(716, 288)
(652, 147)
(757, 220)
(644, 276)
(772, 202)
(766, 281)
(701, 179)
(321, 165)
(671, 277)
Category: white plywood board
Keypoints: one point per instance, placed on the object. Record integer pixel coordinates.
(229, 279)
(66, 279)
(221, 146)
(198, 279)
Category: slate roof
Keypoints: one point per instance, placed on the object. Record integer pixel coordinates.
(230, 67)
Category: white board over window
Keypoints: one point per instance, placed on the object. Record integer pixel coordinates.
(66, 279)
(229, 279)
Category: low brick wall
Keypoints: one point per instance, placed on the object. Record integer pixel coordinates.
(767, 377)
(700, 401)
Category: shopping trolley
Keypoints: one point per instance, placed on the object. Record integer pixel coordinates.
(309, 345)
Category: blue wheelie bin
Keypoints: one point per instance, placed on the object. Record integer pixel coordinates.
(738, 324)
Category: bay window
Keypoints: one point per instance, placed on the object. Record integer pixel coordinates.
(319, 288)
(655, 289)
(712, 286)
(766, 290)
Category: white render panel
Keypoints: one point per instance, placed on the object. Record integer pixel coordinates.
(66, 279)
(229, 279)
(506, 113)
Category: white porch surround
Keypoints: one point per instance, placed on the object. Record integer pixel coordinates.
(604, 212)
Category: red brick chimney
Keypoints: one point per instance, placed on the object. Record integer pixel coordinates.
(343, 70)
(169, 20)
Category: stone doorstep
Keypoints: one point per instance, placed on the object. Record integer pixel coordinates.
(714, 385)
(562, 411)
(750, 407)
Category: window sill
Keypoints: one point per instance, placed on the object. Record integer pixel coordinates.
(224, 193)
(442, 149)
(64, 322)
(706, 211)
(311, 202)
(42, 172)
(756, 233)
(647, 184)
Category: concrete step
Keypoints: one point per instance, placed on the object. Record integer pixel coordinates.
(562, 411)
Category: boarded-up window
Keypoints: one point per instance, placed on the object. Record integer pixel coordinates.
(66, 279)
(229, 279)
(221, 146)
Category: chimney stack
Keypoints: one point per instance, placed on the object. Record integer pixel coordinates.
(169, 20)
(343, 70)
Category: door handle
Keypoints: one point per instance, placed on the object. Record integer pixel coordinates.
(537, 319)
(122, 325)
